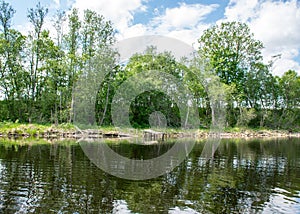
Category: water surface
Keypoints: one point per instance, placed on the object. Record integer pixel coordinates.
(256, 176)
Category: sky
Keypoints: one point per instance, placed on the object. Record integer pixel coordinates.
(275, 22)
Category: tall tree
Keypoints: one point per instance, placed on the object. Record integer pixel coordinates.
(92, 36)
(235, 56)
(59, 20)
(52, 81)
(232, 51)
(11, 68)
(290, 89)
(36, 17)
(95, 32)
(289, 85)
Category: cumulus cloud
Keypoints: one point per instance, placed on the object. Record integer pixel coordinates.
(276, 24)
(132, 31)
(285, 64)
(120, 12)
(184, 16)
(185, 22)
(241, 10)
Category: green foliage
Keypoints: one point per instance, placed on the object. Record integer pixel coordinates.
(152, 101)
(246, 115)
(38, 74)
(254, 95)
(149, 102)
(289, 84)
(231, 50)
(145, 103)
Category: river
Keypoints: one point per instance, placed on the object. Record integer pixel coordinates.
(245, 176)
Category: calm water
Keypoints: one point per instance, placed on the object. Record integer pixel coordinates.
(244, 177)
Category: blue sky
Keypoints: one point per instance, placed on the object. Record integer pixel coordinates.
(276, 23)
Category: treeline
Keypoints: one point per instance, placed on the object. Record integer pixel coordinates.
(38, 74)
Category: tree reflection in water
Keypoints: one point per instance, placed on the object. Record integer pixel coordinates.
(244, 177)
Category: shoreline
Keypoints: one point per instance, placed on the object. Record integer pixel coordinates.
(68, 131)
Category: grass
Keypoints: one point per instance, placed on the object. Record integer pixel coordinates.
(16, 143)
(248, 129)
(31, 129)
(38, 129)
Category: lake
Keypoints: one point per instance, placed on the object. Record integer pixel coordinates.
(245, 176)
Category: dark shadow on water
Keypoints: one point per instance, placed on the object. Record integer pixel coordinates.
(243, 177)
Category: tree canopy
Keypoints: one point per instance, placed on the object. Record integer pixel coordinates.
(38, 73)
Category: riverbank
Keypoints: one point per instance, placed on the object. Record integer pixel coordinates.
(69, 131)
(66, 130)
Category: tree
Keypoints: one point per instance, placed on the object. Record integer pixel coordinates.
(36, 17)
(59, 19)
(290, 89)
(231, 50)
(289, 85)
(11, 68)
(92, 36)
(214, 94)
(95, 33)
(6, 15)
(53, 81)
(147, 102)
(235, 56)
(72, 45)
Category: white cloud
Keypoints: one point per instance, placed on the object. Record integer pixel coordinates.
(182, 17)
(276, 24)
(240, 10)
(284, 61)
(120, 12)
(189, 36)
(25, 28)
(285, 64)
(185, 22)
(132, 31)
(57, 3)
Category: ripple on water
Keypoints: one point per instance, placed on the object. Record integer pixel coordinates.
(283, 201)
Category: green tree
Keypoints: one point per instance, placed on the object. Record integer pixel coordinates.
(36, 17)
(231, 51)
(59, 20)
(52, 101)
(72, 45)
(235, 56)
(148, 102)
(290, 89)
(93, 36)
(95, 33)
(11, 68)
(289, 85)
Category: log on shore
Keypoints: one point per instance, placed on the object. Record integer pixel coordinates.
(150, 135)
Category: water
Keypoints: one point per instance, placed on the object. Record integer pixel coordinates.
(244, 177)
